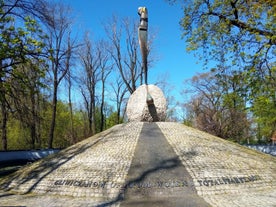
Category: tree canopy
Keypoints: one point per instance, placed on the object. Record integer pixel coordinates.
(239, 36)
(241, 31)
(37, 51)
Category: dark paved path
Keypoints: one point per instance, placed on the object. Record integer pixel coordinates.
(157, 176)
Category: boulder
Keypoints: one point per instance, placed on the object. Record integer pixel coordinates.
(139, 108)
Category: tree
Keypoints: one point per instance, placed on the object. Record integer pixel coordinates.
(60, 46)
(246, 28)
(264, 104)
(120, 91)
(25, 97)
(89, 80)
(240, 36)
(70, 79)
(18, 44)
(163, 83)
(113, 120)
(106, 68)
(124, 51)
(207, 105)
(217, 108)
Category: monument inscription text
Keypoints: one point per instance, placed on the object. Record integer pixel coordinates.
(159, 184)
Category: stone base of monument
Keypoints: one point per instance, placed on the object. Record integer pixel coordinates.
(147, 103)
(146, 164)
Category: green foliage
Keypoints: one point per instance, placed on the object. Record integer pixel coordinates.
(21, 40)
(62, 139)
(26, 111)
(18, 43)
(217, 107)
(188, 122)
(240, 36)
(19, 134)
(113, 119)
(244, 30)
(264, 110)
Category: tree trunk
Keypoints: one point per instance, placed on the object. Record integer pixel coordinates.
(3, 112)
(53, 121)
(102, 107)
(33, 121)
(90, 116)
(93, 116)
(38, 123)
(71, 112)
(4, 125)
(118, 115)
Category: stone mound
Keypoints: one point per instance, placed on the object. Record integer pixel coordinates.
(146, 164)
(139, 110)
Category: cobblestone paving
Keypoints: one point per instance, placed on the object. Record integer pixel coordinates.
(156, 176)
(94, 168)
(94, 171)
(224, 173)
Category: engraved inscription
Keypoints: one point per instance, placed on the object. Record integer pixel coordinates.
(160, 184)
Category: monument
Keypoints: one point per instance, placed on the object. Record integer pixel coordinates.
(139, 110)
(148, 102)
(147, 164)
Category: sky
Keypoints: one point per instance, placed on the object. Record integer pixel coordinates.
(174, 63)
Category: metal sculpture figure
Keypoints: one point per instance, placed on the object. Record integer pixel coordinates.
(143, 39)
(143, 42)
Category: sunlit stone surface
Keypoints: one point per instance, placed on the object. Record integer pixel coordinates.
(138, 110)
(151, 164)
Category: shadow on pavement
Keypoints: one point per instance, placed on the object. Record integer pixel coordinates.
(165, 164)
(40, 169)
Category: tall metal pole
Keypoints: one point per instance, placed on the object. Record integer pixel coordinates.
(143, 42)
